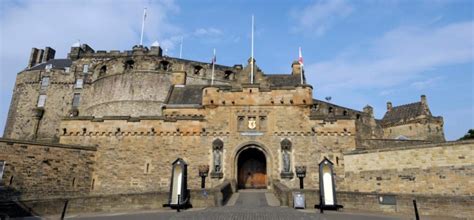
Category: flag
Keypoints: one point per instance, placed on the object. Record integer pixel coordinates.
(300, 57)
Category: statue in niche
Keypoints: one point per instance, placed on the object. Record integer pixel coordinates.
(217, 160)
(286, 161)
(286, 155)
(217, 146)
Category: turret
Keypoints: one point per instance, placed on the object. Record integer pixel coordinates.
(296, 68)
(389, 106)
(369, 110)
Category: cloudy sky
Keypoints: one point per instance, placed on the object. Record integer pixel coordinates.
(358, 52)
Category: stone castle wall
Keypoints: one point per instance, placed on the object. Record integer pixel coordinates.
(431, 131)
(435, 169)
(128, 146)
(117, 91)
(25, 120)
(39, 171)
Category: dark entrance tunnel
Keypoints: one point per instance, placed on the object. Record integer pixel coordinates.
(252, 169)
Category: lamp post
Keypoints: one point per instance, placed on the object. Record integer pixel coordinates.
(301, 173)
(203, 172)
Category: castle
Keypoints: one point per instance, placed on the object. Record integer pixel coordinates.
(101, 125)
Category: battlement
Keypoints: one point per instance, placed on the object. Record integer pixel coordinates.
(85, 51)
(253, 95)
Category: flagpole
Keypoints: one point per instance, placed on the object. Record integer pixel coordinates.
(213, 64)
(181, 48)
(301, 65)
(143, 26)
(251, 61)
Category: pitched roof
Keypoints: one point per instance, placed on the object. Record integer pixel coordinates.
(278, 80)
(56, 64)
(189, 94)
(403, 113)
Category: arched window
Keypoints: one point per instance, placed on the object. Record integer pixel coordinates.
(165, 65)
(197, 70)
(103, 70)
(229, 75)
(128, 65)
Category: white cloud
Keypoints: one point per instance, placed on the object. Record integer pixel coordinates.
(400, 55)
(207, 32)
(104, 25)
(424, 84)
(321, 15)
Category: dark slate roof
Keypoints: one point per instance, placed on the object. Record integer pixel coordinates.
(317, 101)
(57, 64)
(403, 113)
(189, 94)
(283, 80)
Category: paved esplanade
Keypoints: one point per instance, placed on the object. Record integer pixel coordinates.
(245, 205)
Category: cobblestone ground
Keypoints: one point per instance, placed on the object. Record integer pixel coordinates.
(249, 205)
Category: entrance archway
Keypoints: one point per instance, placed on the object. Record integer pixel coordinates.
(252, 169)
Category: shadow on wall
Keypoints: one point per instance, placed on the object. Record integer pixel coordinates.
(9, 208)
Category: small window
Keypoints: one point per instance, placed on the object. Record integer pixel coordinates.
(197, 70)
(165, 65)
(44, 82)
(41, 101)
(85, 68)
(67, 69)
(330, 109)
(228, 74)
(76, 100)
(103, 70)
(79, 83)
(147, 169)
(344, 113)
(129, 64)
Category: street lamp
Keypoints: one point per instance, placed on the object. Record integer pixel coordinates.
(301, 173)
(203, 172)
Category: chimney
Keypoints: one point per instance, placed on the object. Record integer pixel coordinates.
(423, 100)
(48, 54)
(39, 56)
(389, 106)
(156, 50)
(369, 110)
(33, 54)
(295, 68)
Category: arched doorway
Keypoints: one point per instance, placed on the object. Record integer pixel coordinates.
(252, 169)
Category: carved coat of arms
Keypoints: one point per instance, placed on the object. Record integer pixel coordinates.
(252, 123)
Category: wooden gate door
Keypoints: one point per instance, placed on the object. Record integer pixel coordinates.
(252, 174)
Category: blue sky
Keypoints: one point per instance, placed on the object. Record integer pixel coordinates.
(358, 52)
